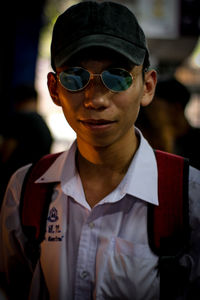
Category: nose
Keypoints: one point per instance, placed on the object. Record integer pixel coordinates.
(96, 95)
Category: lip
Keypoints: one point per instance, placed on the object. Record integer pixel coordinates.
(99, 124)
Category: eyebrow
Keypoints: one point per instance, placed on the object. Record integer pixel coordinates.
(122, 64)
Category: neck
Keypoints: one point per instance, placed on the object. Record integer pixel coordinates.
(102, 168)
(115, 157)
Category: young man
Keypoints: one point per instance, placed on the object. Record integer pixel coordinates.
(96, 241)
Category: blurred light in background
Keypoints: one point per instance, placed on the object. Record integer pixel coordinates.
(61, 131)
(195, 57)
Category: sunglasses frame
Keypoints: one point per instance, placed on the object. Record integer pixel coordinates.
(92, 75)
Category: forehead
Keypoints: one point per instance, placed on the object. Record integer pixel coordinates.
(100, 54)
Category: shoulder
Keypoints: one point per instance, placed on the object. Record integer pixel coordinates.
(18, 175)
(13, 191)
(10, 223)
(194, 200)
(194, 184)
(194, 175)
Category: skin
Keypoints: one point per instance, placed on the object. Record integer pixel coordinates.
(103, 121)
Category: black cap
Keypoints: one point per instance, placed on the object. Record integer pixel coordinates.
(106, 24)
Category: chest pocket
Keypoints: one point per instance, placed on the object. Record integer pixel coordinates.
(126, 271)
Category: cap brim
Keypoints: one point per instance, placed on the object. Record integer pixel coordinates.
(132, 52)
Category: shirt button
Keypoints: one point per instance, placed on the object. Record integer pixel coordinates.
(84, 274)
(91, 225)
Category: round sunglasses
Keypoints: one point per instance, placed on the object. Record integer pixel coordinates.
(75, 79)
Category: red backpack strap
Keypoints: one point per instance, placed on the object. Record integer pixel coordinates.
(35, 199)
(168, 223)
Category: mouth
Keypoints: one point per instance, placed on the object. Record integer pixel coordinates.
(97, 124)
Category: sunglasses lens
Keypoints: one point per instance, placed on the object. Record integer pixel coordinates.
(117, 80)
(74, 79)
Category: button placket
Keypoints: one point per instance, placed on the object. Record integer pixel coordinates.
(84, 274)
(86, 261)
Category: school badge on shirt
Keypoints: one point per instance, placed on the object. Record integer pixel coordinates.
(54, 232)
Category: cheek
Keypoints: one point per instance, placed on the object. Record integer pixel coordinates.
(70, 104)
(132, 106)
(130, 100)
(69, 101)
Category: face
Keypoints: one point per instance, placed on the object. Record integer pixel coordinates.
(99, 116)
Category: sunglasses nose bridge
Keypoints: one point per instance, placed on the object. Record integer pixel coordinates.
(95, 75)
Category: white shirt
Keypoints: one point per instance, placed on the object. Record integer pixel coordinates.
(100, 253)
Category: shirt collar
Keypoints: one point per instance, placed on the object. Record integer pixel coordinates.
(63, 167)
(141, 180)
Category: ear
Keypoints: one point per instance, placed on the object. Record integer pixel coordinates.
(150, 80)
(53, 87)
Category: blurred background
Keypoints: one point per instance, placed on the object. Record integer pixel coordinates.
(171, 26)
